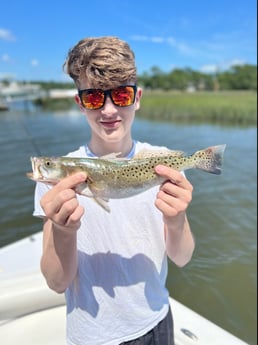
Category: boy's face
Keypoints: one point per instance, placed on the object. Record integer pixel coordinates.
(110, 123)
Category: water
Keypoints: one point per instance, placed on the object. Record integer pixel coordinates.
(220, 281)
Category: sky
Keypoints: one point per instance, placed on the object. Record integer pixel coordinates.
(203, 35)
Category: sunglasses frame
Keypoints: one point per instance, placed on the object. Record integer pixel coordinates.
(107, 93)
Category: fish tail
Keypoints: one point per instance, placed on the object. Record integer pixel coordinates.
(210, 159)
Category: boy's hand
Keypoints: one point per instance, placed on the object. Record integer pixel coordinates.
(60, 203)
(175, 193)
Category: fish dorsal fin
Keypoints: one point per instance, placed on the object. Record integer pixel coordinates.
(145, 153)
(113, 157)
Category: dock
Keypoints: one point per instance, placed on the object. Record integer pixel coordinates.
(19, 92)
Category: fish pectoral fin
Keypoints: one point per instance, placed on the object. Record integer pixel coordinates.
(83, 189)
(102, 202)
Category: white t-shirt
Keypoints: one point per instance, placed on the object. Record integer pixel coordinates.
(119, 293)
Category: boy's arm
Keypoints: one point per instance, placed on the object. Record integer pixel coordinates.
(59, 258)
(172, 200)
(179, 241)
(62, 220)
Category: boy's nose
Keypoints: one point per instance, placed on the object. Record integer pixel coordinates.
(109, 107)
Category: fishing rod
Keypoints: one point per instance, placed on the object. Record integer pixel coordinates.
(30, 138)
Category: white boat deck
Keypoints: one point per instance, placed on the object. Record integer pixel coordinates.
(32, 314)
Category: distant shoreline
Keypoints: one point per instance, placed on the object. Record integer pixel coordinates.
(221, 107)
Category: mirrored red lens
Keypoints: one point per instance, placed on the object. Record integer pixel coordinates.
(123, 96)
(93, 99)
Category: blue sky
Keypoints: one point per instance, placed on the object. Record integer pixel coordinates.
(203, 35)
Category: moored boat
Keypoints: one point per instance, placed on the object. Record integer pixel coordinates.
(3, 106)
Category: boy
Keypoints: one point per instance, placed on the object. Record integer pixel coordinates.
(113, 266)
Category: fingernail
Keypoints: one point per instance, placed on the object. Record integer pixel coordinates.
(159, 168)
(82, 175)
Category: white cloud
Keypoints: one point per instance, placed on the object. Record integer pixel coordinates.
(235, 62)
(181, 47)
(6, 35)
(139, 38)
(153, 39)
(213, 68)
(209, 68)
(157, 39)
(171, 40)
(34, 62)
(218, 48)
(5, 58)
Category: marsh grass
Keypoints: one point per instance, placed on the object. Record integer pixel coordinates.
(232, 107)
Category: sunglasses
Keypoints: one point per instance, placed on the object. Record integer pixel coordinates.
(122, 96)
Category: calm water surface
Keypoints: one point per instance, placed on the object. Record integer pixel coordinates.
(220, 281)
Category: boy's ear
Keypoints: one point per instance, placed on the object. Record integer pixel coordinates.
(138, 98)
(78, 102)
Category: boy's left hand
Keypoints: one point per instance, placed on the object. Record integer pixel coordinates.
(175, 193)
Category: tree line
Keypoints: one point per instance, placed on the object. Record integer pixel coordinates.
(240, 77)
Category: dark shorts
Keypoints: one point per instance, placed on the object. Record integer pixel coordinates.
(162, 334)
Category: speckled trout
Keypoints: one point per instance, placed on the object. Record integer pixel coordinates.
(110, 177)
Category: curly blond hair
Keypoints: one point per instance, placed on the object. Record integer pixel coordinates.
(104, 62)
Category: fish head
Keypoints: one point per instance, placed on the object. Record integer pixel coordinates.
(46, 169)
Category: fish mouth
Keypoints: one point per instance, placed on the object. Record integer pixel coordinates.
(40, 178)
(35, 175)
(30, 175)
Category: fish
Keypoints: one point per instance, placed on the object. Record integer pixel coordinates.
(110, 177)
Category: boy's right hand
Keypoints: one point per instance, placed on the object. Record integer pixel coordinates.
(60, 203)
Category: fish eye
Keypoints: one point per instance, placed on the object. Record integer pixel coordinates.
(48, 163)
